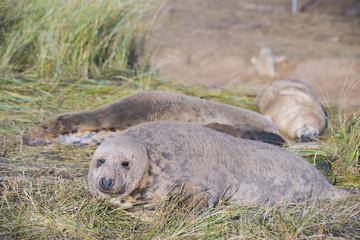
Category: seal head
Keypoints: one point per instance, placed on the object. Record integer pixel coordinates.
(117, 167)
(62, 124)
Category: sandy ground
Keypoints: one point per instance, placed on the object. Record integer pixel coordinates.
(212, 42)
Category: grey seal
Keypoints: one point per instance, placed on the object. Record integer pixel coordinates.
(150, 160)
(96, 125)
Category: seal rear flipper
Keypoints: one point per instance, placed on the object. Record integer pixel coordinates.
(248, 132)
(307, 134)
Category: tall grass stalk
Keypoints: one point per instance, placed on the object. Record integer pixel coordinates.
(346, 132)
(72, 38)
(337, 152)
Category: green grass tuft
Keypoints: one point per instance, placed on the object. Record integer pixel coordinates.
(72, 39)
(347, 134)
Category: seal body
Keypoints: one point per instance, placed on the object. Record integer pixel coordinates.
(150, 160)
(294, 108)
(144, 107)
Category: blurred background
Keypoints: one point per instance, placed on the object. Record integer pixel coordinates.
(212, 41)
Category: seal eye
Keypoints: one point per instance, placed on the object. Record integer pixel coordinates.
(100, 162)
(125, 164)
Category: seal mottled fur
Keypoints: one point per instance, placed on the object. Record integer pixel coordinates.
(147, 161)
(142, 107)
(294, 108)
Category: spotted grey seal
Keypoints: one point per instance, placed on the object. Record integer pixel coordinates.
(149, 160)
(120, 114)
(294, 108)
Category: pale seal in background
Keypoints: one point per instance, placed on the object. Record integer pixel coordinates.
(149, 160)
(266, 63)
(294, 108)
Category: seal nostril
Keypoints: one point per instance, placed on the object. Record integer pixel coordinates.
(102, 184)
(106, 184)
(110, 182)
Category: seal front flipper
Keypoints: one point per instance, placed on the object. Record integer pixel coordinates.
(248, 132)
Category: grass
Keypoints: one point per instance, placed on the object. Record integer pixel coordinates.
(43, 190)
(72, 39)
(61, 208)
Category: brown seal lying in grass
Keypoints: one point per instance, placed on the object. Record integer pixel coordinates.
(137, 108)
(242, 131)
(149, 160)
(294, 108)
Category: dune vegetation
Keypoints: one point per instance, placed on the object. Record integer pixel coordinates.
(59, 56)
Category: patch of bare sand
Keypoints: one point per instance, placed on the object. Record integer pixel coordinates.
(211, 42)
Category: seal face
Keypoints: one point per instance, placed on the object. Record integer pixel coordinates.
(295, 109)
(117, 171)
(76, 127)
(147, 161)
